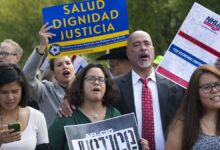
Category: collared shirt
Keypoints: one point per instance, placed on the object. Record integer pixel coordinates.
(137, 88)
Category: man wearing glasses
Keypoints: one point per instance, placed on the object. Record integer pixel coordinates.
(10, 52)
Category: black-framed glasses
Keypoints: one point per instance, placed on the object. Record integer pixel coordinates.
(92, 79)
(6, 54)
(207, 88)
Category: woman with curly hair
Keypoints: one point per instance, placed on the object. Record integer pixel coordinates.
(92, 93)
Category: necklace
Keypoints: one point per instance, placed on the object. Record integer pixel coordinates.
(93, 115)
(17, 116)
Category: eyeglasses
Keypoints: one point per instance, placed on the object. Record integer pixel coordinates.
(6, 54)
(207, 88)
(92, 79)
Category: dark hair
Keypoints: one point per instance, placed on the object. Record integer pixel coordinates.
(51, 62)
(191, 111)
(76, 92)
(10, 73)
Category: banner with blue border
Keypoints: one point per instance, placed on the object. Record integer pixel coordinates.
(86, 27)
(186, 56)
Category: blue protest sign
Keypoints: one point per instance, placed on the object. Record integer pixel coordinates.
(86, 27)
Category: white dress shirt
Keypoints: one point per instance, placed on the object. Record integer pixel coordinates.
(137, 88)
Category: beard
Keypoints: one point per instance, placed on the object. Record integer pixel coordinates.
(145, 64)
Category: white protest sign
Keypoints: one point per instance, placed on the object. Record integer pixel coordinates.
(197, 42)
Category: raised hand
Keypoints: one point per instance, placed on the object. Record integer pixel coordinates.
(43, 36)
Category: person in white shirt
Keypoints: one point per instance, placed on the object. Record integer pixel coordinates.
(31, 124)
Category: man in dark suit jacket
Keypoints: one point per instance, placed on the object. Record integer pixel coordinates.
(169, 94)
(166, 96)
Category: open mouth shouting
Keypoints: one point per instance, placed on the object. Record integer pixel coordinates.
(66, 74)
(96, 89)
(144, 57)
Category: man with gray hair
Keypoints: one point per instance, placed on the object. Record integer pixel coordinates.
(10, 52)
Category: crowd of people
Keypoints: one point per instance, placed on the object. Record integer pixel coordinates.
(168, 116)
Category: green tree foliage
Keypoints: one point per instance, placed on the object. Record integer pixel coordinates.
(21, 20)
(162, 18)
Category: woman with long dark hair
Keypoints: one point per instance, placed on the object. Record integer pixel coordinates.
(197, 123)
